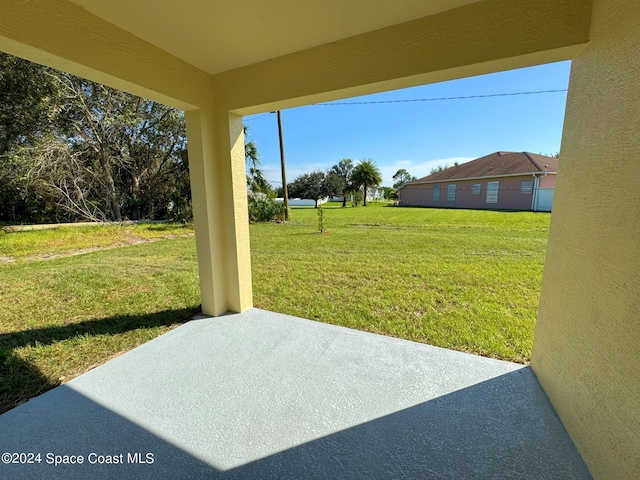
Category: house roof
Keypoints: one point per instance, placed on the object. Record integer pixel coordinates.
(496, 164)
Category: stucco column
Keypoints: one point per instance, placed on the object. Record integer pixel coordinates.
(217, 171)
(586, 349)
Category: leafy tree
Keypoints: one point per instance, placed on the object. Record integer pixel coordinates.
(390, 193)
(366, 174)
(28, 97)
(344, 169)
(333, 185)
(316, 185)
(401, 177)
(28, 94)
(357, 197)
(118, 157)
(442, 168)
(77, 149)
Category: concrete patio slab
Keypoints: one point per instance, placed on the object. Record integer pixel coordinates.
(264, 395)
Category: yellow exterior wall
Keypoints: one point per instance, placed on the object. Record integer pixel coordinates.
(586, 351)
(220, 210)
(482, 37)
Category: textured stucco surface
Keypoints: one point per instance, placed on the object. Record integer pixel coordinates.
(220, 210)
(482, 37)
(261, 395)
(586, 350)
(216, 43)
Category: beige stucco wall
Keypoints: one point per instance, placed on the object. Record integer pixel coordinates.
(482, 37)
(586, 350)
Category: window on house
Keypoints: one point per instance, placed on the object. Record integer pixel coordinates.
(476, 188)
(436, 193)
(526, 187)
(492, 192)
(451, 193)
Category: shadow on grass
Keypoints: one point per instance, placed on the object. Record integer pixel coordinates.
(165, 227)
(21, 380)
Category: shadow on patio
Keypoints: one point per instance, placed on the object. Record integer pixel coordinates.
(264, 395)
(20, 380)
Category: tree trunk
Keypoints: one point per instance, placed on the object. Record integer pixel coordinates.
(112, 198)
(344, 201)
(364, 204)
(112, 193)
(316, 200)
(135, 194)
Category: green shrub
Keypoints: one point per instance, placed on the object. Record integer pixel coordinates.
(262, 209)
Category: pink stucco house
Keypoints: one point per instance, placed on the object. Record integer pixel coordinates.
(500, 181)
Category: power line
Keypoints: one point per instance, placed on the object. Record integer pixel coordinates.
(256, 117)
(436, 99)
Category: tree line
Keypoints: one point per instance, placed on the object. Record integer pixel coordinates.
(74, 149)
(342, 180)
(345, 179)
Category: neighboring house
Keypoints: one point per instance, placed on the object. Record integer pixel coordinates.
(375, 193)
(500, 181)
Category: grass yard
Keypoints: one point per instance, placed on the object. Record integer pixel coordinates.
(62, 316)
(461, 279)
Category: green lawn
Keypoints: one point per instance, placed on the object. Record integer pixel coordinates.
(460, 279)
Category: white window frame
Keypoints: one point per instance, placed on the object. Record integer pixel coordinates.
(436, 193)
(493, 189)
(526, 187)
(451, 193)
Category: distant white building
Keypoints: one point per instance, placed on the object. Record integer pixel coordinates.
(299, 202)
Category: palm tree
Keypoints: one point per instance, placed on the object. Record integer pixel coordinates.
(366, 174)
(255, 178)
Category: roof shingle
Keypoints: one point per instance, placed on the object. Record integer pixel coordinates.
(498, 163)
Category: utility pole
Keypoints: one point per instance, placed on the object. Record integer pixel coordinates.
(284, 175)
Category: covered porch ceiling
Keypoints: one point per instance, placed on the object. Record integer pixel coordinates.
(217, 35)
(261, 56)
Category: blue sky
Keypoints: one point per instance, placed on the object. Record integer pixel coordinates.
(418, 136)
